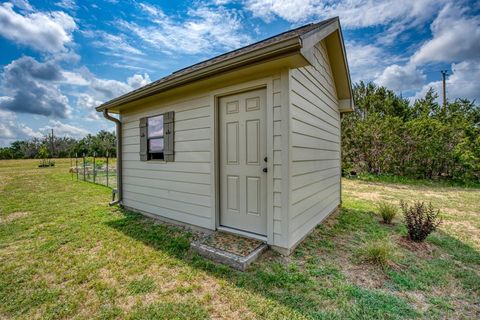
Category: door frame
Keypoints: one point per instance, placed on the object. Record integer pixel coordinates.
(215, 95)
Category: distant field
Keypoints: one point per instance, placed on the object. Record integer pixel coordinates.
(65, 254)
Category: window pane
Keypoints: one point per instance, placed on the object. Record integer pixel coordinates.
(155, 126)
(155, 145)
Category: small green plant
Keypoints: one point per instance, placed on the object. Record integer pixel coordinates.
(420, 220)
(43, 154)
(378, 252)
(388, 211)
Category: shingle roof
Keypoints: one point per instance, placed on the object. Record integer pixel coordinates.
(229, 55)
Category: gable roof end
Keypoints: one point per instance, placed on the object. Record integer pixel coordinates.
(332, 35)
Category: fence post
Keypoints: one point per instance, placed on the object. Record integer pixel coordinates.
(71, 164)
(94, 173)
(107, 168)
(84, 176)
(76, 164)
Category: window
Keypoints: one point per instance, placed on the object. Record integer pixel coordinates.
(157, 137)
(155, 140)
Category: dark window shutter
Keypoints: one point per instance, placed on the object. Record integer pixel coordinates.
(168, 136)
(143, 139)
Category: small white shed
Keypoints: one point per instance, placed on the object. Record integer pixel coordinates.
(246, 142)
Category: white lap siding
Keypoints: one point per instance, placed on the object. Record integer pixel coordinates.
(179, 190)
(280, 235)
(314, 144)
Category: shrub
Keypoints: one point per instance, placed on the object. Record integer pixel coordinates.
(420, 220)
(388, 211)
(378, 252)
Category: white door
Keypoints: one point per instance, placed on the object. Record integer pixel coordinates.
(243, 177)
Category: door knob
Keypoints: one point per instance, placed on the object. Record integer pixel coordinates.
(265, 170)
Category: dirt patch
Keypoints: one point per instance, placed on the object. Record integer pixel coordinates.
(107, 277)
(421, 249)
(365, 275)
(14, 216)
(127, 303)
(417, 299)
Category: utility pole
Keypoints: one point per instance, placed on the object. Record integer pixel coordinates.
(53, 147)
(444, 80)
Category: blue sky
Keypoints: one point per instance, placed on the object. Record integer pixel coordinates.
(60, 59)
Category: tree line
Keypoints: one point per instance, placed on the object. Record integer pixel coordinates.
(61, 147)
(386, 134)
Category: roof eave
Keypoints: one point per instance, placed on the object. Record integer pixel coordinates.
(265, 53)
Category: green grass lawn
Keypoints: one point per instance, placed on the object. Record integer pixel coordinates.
(65, 254)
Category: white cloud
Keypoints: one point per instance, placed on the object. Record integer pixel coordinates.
(100, 89)
(67, 4)
(204, 30)
(106, 89)
(11, 129)
(353, 13)
(462, 83)
(456, 37)
(87, 103)
(128, 66)
(365, 13)
(290, 10)
(42, 88)
(111, 43)
(22, 4)
(65, 129)
(137, 80)
(31, 88)
(74, 78)
(360, 57)
(152, 10)
(221, 2)
(401, 78)
(43, 31)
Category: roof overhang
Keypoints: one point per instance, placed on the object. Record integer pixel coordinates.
(332, 35)
(329, 31)
(276, 50)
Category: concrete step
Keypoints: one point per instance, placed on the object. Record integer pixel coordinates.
(235, 251)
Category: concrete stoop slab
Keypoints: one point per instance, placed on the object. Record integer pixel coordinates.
(218, 253)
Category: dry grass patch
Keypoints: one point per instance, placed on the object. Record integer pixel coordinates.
(466, 231)
(14, 216)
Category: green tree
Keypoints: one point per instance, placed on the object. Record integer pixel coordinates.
(387, 135)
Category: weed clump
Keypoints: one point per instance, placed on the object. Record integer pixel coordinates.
(379, 252)
(420, 220)
(388, 211)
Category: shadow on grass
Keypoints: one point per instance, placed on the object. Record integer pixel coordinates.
(466, 258)
(318, 292)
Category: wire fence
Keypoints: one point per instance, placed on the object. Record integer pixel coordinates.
(100, 170)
